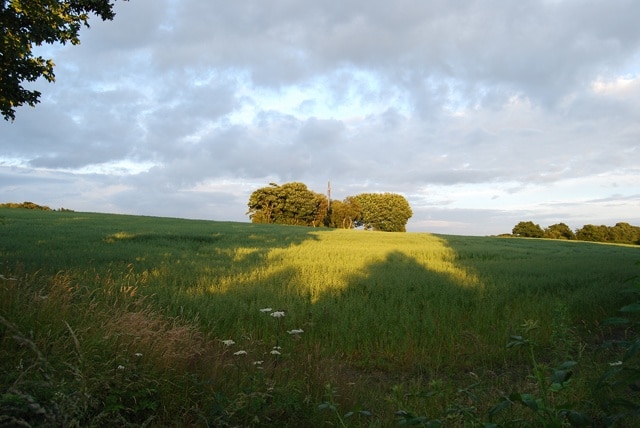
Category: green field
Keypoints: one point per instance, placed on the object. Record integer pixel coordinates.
(111, 320)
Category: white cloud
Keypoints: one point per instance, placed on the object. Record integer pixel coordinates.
(481, 114)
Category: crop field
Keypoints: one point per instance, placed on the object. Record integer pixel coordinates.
(113, 320)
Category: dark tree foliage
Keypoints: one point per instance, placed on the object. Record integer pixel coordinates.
(528, 229)
(589, 232)
(25, 23)
(559, 231)
(622, 233)
(387, 212)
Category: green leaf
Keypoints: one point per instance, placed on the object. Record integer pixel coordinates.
(632, 351)
(500, 407)
(634, 307)
(615, 321)
(567, 365)
(555, 387)
(527, 400)
(532, 404)
(605, 377)
(517, 341)
(623, 402)
(577, 419)
(561, 376)
(324, 406)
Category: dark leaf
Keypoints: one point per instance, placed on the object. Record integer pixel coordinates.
(634, 307)
(500, 407)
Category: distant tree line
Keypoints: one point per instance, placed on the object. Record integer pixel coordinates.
(30, 206)
(293, 203)
(622, 233)
(25, 205)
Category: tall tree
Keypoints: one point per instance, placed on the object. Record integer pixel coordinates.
(590, 232)
(624, 232)
(344, 214)
(559, 231)
(263, 204)
(290, 203)
(25, 23)
(387, 212)
(528, 229)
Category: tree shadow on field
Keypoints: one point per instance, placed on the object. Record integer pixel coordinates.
(399, 314)
(195, 270)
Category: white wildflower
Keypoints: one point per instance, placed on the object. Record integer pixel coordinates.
(228, 342)
(617, 363)
(295, 331)
(138, 354)
(240, 353)
(275, 352)
(277, 314)
(266, 310)
(257, 363)
(120, 367)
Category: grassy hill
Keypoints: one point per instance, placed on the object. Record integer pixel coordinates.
(130, 321)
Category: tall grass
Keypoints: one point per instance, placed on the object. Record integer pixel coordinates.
(123, 319)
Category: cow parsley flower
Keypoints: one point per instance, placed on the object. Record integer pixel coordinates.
(277, 314)
(275, 352)
(138, 354)
(228, 342)
(120, 367)
(296, 331)
(266, 310)
(240, 353)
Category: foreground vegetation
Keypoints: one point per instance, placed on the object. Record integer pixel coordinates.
(137, 321)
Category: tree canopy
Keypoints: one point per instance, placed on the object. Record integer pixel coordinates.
(25, 23)
(290, 203)
(528, 229)
(345, 214)
(622, 233)
(559, 231)
(294, 203)
(388, 212)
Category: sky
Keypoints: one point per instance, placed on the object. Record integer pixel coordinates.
(481, 113)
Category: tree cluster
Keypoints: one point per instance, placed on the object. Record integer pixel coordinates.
(623, 233)
(25, 205)
(25, 23)
(31, 206)
(293, 203)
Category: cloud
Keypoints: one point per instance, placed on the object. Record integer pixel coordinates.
(480, 113)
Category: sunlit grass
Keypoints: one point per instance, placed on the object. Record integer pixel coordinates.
(378, 315)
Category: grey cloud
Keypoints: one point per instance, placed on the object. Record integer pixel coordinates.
(542, 49)
(436, 93)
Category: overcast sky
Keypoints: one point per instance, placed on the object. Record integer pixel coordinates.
(481, 113)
